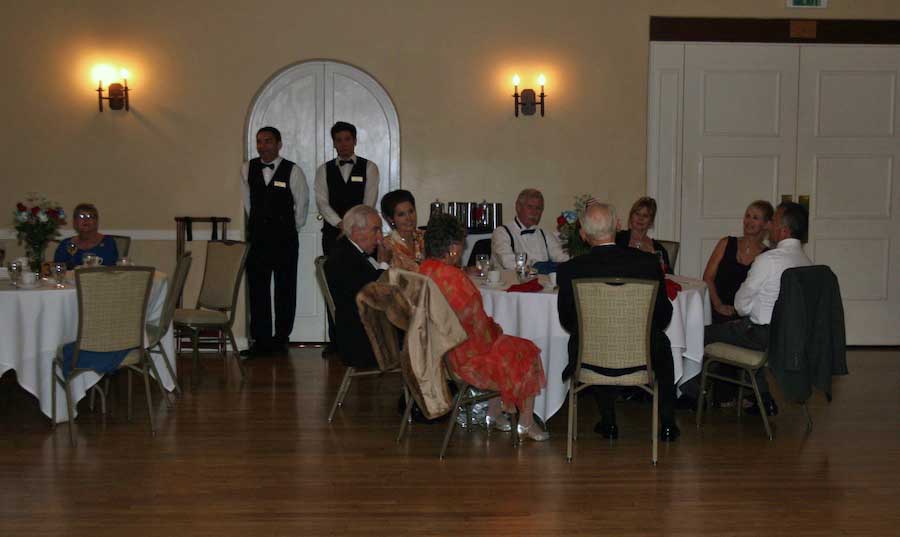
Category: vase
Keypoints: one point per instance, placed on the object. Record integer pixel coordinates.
(35, 254)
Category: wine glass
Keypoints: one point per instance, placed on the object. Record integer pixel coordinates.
(480, 261)
(59, 273)
(124, 262)
(15, 269)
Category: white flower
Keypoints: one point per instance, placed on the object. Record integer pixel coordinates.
(42, 216)
(22, 217)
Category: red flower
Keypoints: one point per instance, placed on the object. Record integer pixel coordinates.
(35, 210)
(21, 207)
(560, 221)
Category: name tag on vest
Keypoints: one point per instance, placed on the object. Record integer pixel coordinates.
(356, 179)
(280, 184)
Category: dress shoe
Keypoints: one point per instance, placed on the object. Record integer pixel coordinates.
(669, 433)
(533, 432)
(768, 404)
(608, 430)
(257, 350)
(500, 423)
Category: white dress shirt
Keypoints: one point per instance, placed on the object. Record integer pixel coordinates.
(758, 293)
(299, 189)
(370, 195)
(529, 240)
(378, 265)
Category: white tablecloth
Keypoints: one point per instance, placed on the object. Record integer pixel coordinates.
(34, 323)
(534, 316)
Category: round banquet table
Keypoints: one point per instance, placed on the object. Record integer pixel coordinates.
(34, 323)
(534, 316)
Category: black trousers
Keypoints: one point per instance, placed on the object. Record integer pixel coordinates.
(664, 372)
(266, 260)
(329, 239)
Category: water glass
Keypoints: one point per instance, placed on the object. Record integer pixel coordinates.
(481, 260)
(124, 262)
(15, 269)
(521, 262)
(59, 273)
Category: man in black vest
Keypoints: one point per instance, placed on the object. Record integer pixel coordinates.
(342, 183)
(276, 198)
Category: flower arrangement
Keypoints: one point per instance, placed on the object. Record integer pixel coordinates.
(569, 226)
(37, 222)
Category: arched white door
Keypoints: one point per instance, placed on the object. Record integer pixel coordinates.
(303, 101)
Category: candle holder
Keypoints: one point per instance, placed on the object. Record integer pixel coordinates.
(527, 102)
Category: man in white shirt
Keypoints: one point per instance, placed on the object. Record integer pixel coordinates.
(756, 297)
(276, 199)
(524, 235)
(343, 182)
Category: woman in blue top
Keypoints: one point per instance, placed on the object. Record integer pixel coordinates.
(85, 220)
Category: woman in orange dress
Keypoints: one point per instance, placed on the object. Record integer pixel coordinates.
(406, 240)
(488, 360)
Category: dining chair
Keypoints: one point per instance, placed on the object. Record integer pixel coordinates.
(481, 246)
(156, 331)
(222, 274)
(123, 244)
(614, 319)
(672, 248)
(112, 306)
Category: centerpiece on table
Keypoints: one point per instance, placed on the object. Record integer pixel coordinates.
(568, 223)
(37, 222)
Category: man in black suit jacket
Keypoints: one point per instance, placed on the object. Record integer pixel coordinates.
(606, 259)
(349, 268)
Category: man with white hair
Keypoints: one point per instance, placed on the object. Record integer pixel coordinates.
(524, 235)
(606, 259)
(349, 267)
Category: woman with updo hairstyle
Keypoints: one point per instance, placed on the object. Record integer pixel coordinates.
(406, 240)
(488, 359)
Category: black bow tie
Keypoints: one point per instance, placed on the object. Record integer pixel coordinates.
(342, 162)
(270, 166)
(527, 231)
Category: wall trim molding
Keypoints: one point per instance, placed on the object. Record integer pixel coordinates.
(144, 234)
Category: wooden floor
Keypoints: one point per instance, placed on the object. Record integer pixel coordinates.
(261, 459)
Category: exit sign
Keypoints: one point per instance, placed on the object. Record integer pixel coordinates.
(808, 3)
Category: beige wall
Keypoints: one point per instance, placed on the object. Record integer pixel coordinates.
(196, 67)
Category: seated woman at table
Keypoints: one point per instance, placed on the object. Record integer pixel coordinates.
(731, 259)
(640, 221)
(406, 240)
(489, 359)
(86, 220)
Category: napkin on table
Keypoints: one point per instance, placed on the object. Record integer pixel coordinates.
(531, 286)
(672, 288)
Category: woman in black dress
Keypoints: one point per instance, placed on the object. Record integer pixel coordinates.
(640, 221)
(730, 261)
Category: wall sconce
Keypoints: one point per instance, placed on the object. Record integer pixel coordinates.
(116, 93)
(526, 101)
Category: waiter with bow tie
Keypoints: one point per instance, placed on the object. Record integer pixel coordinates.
(276, 198)
(342, 183)
(524, 235)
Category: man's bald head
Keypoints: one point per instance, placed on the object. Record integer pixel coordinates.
(598, 224)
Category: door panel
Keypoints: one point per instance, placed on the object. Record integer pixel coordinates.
(848, 149)
(739, 139)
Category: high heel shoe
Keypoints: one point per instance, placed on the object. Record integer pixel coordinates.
(533, 432)
(500, 423)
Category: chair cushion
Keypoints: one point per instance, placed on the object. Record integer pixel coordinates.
(188, 317)
(637, 378)
(739, 356)
(101, 362)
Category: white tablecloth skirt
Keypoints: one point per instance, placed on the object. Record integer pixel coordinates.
(35, 323)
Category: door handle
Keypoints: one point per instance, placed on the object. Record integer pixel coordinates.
(318, 217)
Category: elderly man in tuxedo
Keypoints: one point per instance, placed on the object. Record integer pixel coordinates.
(357, 258)
(606, 259)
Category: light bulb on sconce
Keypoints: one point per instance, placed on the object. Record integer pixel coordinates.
(527, 102)
(117, 93)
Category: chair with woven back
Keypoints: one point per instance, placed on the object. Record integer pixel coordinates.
(216, 305)
(123, 244)
(156, 331)
(112, 305)
(672, 248)
(614, 319)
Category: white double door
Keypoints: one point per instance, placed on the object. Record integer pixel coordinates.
(816, 122)
(303, 102)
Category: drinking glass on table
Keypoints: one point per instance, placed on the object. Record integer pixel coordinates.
(481, 260)
(15, 269)
(124, 262)
(59, 274)
(521, 262)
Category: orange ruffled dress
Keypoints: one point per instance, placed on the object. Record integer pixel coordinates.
(406, 256)
(489, 359)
